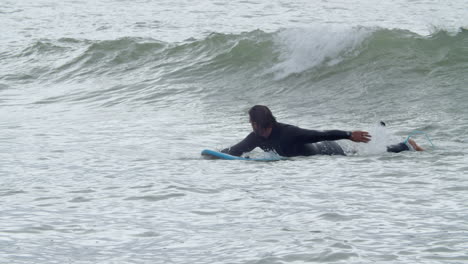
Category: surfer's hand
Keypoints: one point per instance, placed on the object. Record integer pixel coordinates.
(360, 136)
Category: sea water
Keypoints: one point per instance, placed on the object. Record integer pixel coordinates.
(105, 107)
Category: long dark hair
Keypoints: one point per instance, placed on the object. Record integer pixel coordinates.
(261, 115)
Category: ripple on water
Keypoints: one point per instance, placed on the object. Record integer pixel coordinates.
(326, 256)
(335, 217)
(457, 188)
(31, 230)
(142, 186)
(341, 245)
(207, 212)
(448, 258)
(83, 191)
(9, 193)
(51, 201)
(193, 189)
(154, 198)
(147, 234)
(79, 200)
(47, 198)
(440, 249)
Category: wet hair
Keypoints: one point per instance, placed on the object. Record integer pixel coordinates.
(262, 116)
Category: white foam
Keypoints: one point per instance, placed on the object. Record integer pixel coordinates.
(381, 138)
(379, 142)
(304, 48)
(257, 154)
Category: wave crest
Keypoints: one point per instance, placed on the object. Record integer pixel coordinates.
(147, 68)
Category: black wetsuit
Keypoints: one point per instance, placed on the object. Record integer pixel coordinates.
(289, 141)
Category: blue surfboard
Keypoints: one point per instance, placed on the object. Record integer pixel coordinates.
(219, 155)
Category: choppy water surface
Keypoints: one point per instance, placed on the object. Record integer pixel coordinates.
(106, 106)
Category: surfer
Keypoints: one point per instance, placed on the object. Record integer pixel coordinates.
(289, 141)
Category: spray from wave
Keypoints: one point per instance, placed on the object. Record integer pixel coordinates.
(303, 49)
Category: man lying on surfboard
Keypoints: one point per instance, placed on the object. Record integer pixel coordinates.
(289, 141)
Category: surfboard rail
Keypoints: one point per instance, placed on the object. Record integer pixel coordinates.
(212, 154)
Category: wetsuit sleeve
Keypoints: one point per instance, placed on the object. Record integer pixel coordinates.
(246, 145)
(312, 136)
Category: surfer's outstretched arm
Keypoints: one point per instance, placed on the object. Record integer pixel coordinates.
(360, 136)
(313, 136)
(246, 145)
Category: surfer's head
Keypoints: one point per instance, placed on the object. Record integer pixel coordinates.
(262, 120)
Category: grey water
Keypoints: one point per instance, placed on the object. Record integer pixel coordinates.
(105, 107)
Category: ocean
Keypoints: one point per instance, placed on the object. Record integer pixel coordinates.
(106, 105)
